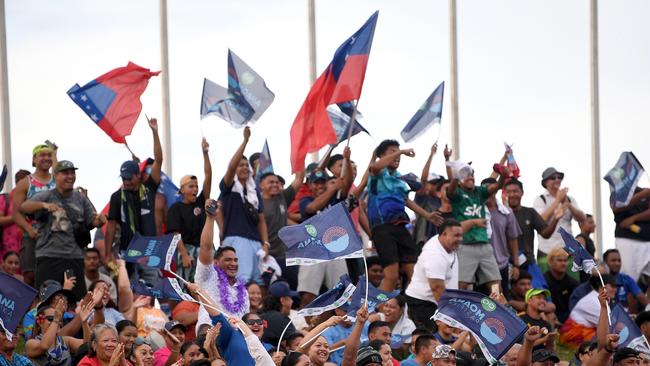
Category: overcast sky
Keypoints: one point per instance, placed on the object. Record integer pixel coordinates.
(523, 78)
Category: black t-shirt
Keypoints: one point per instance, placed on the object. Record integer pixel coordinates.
(644, 234)
(188, 220)
(532, 322)
(529, 221)
(139, 215)
(560, 293)
(236, 221)
(276, 321)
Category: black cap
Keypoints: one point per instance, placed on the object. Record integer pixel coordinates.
(625, 353)
(542, 355)
(281, 289)
(318, 176)
(175, 324)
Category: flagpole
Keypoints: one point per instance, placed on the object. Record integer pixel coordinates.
(351, 126)
(164, 63)
(365, 266)
(311, 30)
(453, 62)
(284, 331)
(595, 127)
(609, 317)
(5, 123)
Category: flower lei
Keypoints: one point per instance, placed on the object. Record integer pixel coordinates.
(224, 292)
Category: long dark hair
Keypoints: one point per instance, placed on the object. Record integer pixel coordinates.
(271, 303)
(291, 359)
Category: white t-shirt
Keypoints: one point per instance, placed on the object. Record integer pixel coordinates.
(587, 310)
(545, 245)
(433, 263)
(206, 277)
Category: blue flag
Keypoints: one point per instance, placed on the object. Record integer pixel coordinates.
(494, 327)
(623, 179)
(629, 333)
(582, 260)
(330, 300)
(166, 288)
(341, 122)
(153, 251)
(3, 177)
(15, 299)
(327, 236)
(429, 113)
(169, 190)
(375, 297)
(265, 164)
(538, 280)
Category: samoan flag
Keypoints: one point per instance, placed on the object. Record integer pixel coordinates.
(375, 297)
(330, 300)
(15, 299)
(112, 100)
(494, 327)
(327, 236)
(3, 176)
(153, 251)
(582, 260)
(264, 164)
(629, 333)
(166, 288)
(341, 81)
(429, 114)
(166, 187)
(341, 123)
(623, 179)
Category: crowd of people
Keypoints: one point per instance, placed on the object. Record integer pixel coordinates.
(456, 234)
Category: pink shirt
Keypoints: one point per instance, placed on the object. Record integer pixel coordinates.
(161, 356)
(11, 235)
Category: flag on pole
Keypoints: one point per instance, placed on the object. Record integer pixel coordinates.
(375, 297)
(494, 327)
(341, 81)
(112, 100)
(341, 123)
(629, 333)
(153, 251)
(582, 260)
(265, 164)
(212, 99)
(429, 114)
(15, 299)
(623, 179)
(330, 300)
(165, 289)
(327, 236)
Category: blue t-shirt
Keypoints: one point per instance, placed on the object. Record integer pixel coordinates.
(235, 219)
(387, 195)
(231, 344)
(625, 285)
(409, 362)
(17, 361)
(333, 335)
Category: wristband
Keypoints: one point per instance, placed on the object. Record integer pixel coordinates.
(609, 350)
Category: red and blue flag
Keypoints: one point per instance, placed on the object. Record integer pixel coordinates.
(112, 100)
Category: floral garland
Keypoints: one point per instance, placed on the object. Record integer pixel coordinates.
(224, 292)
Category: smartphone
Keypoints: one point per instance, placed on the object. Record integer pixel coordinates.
(495, 288)
(212, 208)
(69, 273)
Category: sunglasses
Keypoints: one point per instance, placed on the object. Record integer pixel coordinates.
(555, 177)
(259, 322)
(140, 341)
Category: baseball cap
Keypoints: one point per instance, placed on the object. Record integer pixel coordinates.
(128, 169)
(173, 324)
(542, 355)
(443, 351)
(281, 289)
(537, 291)
(41, 148)
(368, 355)
(64, 165)
(549, 172)
(318, 176)
(186, 179)
(310, 168)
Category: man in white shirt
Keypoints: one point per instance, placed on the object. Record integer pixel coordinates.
(435, 271)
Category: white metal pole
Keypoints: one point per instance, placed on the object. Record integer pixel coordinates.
(595, 127)
(453, 78)
(311, 20)
(164, 63)
(5, 125)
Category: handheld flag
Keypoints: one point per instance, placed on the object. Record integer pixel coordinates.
(212, 99)
(341, 81)
(3, 176)
(166, 186)
(15, 299)
(429, 114)
(623, 179)
(152, 251)
(582, 260)
(494, 327)
(375, 297)
(513, 167)
(166, 288)
(265, 165)
(341, 124)
(331, 299)
(327, 236)
(629, 333)
(112, 100)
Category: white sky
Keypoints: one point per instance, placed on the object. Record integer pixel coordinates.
(523, 75)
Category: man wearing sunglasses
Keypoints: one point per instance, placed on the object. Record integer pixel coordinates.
(555, 201)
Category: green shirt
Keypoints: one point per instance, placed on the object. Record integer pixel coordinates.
(468, 205)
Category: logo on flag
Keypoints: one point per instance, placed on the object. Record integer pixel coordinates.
(15, 299)
(429, 114)
(375, 297)
(152, 251)
(623, 179)
(582, 260)
(166, 288)
(629, 333)
(330, 300)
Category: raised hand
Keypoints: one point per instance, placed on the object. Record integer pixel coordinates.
(86, 308)
(434, 148)
(362, 314)
(153, 124)
(141, 301)
(118, 356)
(247, 133)
(436, 218)
(204, 145)
(347, 152)
(447, 153)
(69, 282)
(534, 333)
(408, 152)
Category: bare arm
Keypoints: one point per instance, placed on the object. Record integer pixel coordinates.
(20, 195)
(513, 245)
(501, 162)
(437, 287)
(125, 295)
(298, 178)
(229, 178)
(207, 169)
(385, 161)
(311, 337)
(427, 165)
(525, 354)
(321, 201)
(111, 226)
(577, 213)
(352, 342)
(156, 168)
(494, 187)
(207, 236)
(263, 231)
(346, 177)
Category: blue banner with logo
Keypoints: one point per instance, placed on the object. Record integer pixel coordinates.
(629, 334)
(429, 114)
(166, 288)
(623, 179)
(582, 260)
(331, 299)
(15, 299)
(494, 327)
(327, 236)
(153, 251)
(375, 297)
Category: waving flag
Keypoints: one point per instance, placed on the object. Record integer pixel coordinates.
(330, 300)
(212, 99)
(169, 190)
(15, 299)
(341, 81)
(375, 297)
(265, 165)
(582, 260)
(327, 236)
(494, 327)
(513, 168)
(112, 100)
(623, 179)
(629, 333)
(166, 288)
(429, 114)
(152, 251)
(341, 123)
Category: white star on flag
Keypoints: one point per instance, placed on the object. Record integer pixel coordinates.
(94, 117)
(84, 97)
(73, 96)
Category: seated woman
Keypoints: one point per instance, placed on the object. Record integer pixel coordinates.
(49, 348)
(105, 349)
(583, 320)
